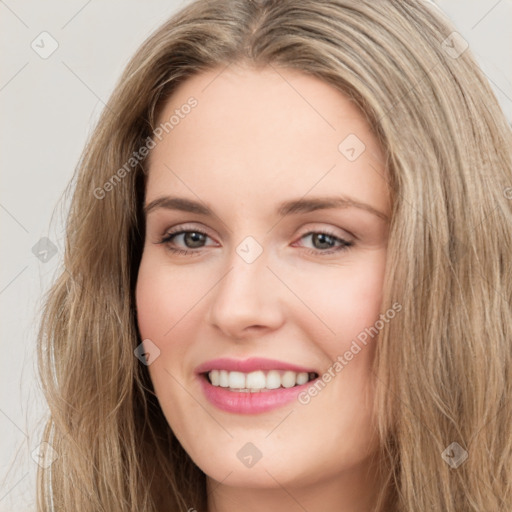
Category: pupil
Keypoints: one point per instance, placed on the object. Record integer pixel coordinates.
(193, 237)
(322, 238)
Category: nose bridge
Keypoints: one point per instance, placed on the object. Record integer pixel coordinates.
(247, 294)
(247, 279)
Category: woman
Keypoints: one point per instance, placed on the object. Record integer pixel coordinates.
(285, 279)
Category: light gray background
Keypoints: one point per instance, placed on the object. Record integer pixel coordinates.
(49, 107)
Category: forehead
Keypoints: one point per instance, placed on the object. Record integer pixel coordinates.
(264, 131)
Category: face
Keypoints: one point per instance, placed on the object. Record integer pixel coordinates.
(266, 227)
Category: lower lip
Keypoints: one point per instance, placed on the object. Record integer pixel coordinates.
(240, 402)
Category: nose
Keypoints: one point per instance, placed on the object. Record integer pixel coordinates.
(247, 300)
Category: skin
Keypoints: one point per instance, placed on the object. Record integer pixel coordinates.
(257, 138)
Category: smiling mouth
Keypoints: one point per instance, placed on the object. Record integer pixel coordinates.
(258, 381)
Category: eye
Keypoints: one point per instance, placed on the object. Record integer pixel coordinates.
(193, 239)
(325, 240)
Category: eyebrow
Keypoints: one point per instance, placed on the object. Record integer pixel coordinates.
(291, 207)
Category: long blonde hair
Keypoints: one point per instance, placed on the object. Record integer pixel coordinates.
(442, 366)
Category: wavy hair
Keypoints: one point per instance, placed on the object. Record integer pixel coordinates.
(442, 367)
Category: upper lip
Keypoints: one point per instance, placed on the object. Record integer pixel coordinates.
(249, 365)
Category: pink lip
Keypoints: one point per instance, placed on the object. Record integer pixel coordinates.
(249, 403)
(249, 365)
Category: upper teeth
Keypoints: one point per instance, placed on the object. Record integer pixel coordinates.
(255, 381)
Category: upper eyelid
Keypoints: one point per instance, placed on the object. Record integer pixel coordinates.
(315, 228)
(180, 229)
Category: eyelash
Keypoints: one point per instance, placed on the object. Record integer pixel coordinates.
(169, 236)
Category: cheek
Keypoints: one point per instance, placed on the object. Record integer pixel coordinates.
(163, 301)
(151, 307)
(360, 299)
(162, 298)
(346, 299)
